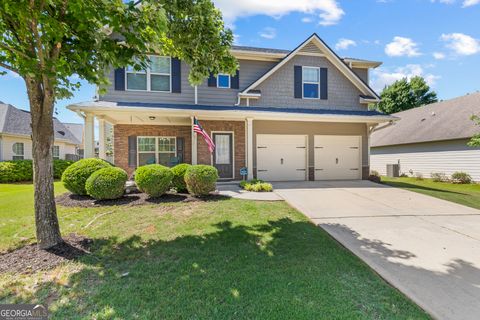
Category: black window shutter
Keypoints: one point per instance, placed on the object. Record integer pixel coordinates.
(132, 151)
(176, 76)
(180, 149)
(324, 83)
(235, 81)
(297, 74)
(212, 80)
(119, 78)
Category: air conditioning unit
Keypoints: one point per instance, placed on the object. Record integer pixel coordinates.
(393, 170)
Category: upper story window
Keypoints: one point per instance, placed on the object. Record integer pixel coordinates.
(56, 152)
(18, 149)
(223, 81)
(157, 77)
(311, 82)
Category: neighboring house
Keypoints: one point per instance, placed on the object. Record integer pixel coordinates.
(285, 115)
(432, 138)
(77, 130)
(16, 132)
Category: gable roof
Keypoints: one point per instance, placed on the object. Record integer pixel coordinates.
(446, 120)
(330, 55)
(17, 122)
(76, 129)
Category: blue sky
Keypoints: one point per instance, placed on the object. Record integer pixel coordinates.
(437, 39)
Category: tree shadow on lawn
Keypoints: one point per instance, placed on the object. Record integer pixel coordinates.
(281, 269)
(406, 185)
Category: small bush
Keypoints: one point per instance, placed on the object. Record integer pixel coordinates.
(259, 187)
(375, 178)
(374, 173)
(253, 181)
(59, 166)
(461, 178)
(178, 181)
(107, 183)
(201, 179)
(76, 175)
(153, 179)
(418, 176)
(403, 175)
(439, 177)
(16, 170)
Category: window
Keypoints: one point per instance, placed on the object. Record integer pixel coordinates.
(311, 82)
(56, 152)
(223, 81)
(18, 151)
(157, 77)
(161, 150)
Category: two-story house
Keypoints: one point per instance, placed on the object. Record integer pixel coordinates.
(285, 115)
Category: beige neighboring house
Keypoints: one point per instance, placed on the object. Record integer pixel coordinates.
(428, 139)
(15, 136)
(77, 130)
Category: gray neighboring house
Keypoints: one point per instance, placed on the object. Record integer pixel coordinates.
(432, 138)
(15, 136)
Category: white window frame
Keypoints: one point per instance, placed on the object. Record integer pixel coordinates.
(14, 154)
(229, 81)
(53, 152)
(310, 82)
(156, 147)
(148, 73)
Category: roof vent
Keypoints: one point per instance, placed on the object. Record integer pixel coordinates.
(61, 132)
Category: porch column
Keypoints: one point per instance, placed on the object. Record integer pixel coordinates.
(102, 151)
(250, 148)
(194, 143)
(89, 136)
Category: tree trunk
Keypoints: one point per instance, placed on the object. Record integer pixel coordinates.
(46, 221)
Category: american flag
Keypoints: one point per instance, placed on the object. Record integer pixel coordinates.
(197, 128)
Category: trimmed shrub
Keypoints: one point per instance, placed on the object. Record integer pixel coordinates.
(107, 183)
(76, 175)
(201, 179)
(439, 177)
(461, 178)
(16, 170)
(259, 187)
(153, 179)
(59, 166)
(178, 180)
(253, 181)
(374, 176)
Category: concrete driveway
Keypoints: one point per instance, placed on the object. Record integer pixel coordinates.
(426, 247)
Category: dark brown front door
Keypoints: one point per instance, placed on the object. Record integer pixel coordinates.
(223, 154)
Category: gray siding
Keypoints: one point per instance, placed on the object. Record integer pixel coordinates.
(440, 156)
(278, 89)
(362, 73)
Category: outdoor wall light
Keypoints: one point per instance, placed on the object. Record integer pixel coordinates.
(151, 118)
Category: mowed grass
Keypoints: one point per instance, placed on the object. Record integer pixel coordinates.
(225, 259)
(465, 194)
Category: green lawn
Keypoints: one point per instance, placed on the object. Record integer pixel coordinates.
(466, 194)
(226, 259)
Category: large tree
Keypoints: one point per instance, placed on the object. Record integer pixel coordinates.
(48, 41)
(403, 95)
(475, 140)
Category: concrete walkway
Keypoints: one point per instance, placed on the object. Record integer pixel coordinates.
(426, 247)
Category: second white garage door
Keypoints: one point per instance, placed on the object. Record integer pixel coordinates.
(281, 157)
(337, 157)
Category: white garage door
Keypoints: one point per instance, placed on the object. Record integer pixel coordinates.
(281, 157)
(337, 157)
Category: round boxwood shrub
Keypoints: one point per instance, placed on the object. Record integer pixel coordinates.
(107, 183)
(178, 181)
(75, 176)
(153, 179)
(201, 179)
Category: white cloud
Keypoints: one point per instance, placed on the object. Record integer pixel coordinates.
(439, 55)
(268, 33)
(443, 1)
(328, 11)
(344, 44)
(469, 3)
(401, 46)
(382, 77)
(307, 20)
(461, 44)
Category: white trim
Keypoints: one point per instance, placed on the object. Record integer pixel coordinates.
(156, 152)
(15, 154)
(233, 152)
(53, 152)
(194, 143)
(229, 81)
(309, 82)
(148, 73)
(312, 54)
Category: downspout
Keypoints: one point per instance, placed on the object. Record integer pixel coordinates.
(238, 101)
(196, 95)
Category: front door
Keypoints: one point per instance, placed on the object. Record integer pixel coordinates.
(223, 154)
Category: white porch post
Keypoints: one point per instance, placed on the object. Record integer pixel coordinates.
(250, 148)
(102, 151)
(194, 144)
(89, 136)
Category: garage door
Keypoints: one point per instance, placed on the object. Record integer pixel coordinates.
(337, 157)
(281, 157)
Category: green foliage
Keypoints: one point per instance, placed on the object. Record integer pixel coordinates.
(59, 166)
(259, 187)
(22, 170)
(106, 183)
(178, 181)
(439, 177)
(253, 181)
(153, 179)
(475, 141)
(461, 178)
(201, 179)
(76, 175)
(403, 95)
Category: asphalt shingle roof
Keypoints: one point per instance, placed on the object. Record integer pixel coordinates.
(445, 120)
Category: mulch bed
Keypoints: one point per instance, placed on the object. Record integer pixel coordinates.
(30, 258)
(133, 199)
